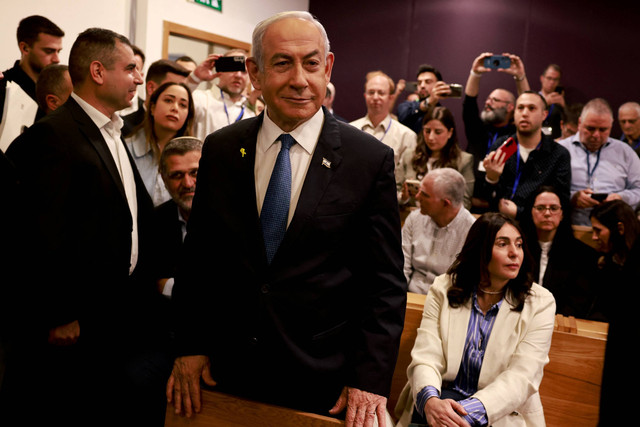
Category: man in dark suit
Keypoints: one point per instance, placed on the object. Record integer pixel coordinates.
(91, 303)
(179, 170)
(313, 322)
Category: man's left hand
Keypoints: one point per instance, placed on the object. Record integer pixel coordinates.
(362, 408)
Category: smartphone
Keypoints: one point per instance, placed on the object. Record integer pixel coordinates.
(413, 185)
(599, 196)
(456, 91)
(497, 61)
(559, 89)
(509, 147)
(230, 64)
(411, 87)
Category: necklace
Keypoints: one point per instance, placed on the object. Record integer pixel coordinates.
(490, 292)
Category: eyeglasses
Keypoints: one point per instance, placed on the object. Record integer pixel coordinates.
(554, 209)
(492, 99)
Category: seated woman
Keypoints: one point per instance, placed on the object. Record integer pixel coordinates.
(484, 337)
(562, 263)
(170, 115)
(437, 147)
(616, 230)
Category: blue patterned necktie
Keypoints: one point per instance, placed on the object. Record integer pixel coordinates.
(275, 208)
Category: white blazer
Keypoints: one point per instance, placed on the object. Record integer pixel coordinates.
(513, 363)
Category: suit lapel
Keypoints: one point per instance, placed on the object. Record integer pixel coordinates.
(88, 128)
(242, 170)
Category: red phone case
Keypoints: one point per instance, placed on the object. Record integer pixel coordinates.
(509, 147)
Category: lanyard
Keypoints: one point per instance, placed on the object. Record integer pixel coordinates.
(491, 141)
(388, 127)
(590, 171)
(518, 171)
(227, 112)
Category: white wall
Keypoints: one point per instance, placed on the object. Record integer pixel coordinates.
(237, 20)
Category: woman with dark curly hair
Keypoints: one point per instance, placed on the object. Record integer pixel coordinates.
(484, 337)
(437, 147)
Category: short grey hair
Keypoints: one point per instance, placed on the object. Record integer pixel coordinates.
(261, 29)
(448, 184)
(598, 106)
(633, 105)
(178, 147)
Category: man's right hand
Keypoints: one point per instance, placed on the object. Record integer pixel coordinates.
(183, 387)
(478, 64)
(205, 71)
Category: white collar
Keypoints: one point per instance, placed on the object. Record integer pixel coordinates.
(99, 118)
(306, 134)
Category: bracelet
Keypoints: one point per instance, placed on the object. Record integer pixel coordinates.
(195, 78)
(473, 73)
(519, 79)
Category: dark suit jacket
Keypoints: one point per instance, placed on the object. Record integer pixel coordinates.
(134, 119)
(168, 239)
(80, 225)
(329, 310)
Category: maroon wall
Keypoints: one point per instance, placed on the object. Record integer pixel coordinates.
(597, 44)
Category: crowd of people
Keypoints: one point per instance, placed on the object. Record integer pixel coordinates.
(288, 282)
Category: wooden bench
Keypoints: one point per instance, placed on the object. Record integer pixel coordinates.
(221, 410)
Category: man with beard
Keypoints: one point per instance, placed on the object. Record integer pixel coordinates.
(225, 102)
(40, 43)
(378, 90)
(179, 171)
(538, 160)
(482, 129)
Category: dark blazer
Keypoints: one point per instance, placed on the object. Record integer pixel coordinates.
(78, 236)
(80, 223)
(133, 119)
(168, 239)
(329, 310)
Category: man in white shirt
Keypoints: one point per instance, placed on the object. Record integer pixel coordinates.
(225, 102)
(433, 235)
(87, 218)
(378, 91)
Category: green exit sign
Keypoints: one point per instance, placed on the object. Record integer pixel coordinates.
(213, 4)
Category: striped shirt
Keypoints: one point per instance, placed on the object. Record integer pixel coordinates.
(466, 382)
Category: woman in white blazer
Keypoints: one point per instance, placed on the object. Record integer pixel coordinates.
(484, 338)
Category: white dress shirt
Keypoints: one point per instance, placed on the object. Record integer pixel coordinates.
(428, 249)
(390, 132)
(268, 147)
(110, 130)
(214, 110)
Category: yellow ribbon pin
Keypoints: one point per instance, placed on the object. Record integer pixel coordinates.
(243, 152)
